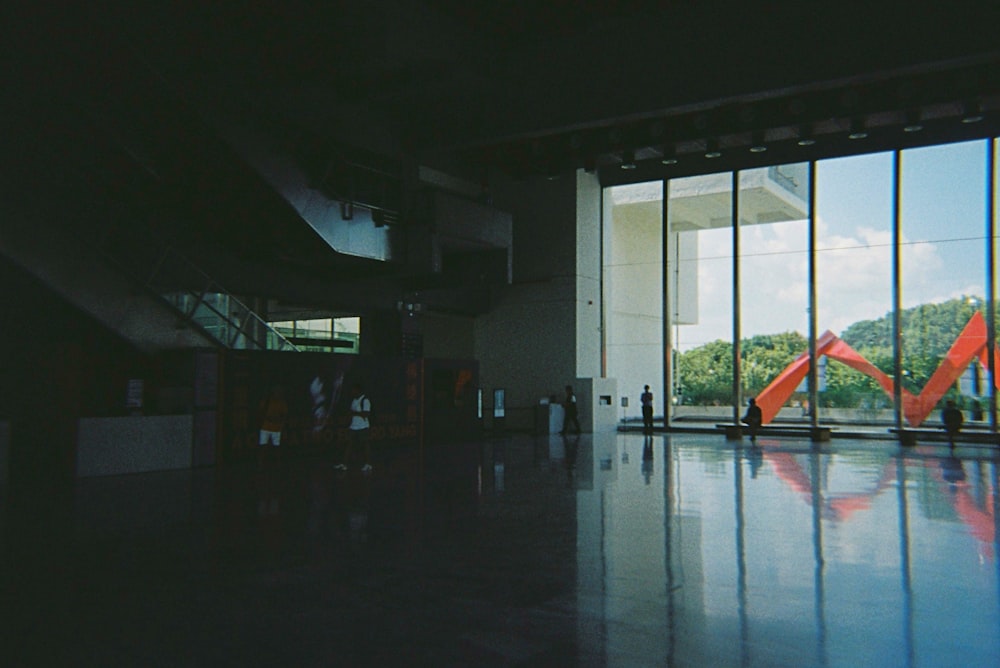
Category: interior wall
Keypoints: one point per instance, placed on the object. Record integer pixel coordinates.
(527, 344)
(588, 275)
(449, 336)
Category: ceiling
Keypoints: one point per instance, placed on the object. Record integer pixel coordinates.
(522, 87)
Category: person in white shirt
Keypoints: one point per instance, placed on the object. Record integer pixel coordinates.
(361, 408)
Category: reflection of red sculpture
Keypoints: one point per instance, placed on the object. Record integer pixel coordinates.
(838, 508)
(975, 511)
(977, 515)
(969, 345)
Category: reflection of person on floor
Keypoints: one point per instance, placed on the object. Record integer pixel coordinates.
(569, 411)
(361, 407)
(756, 458)
(952, 420)
(646, 400)
(952, 471)
(273, 416)
(571, 446)
(753, 418)
(647, 459)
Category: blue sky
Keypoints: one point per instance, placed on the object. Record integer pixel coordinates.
(944, 222)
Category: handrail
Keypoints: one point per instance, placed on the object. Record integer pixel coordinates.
(251, 324)
(111, 232)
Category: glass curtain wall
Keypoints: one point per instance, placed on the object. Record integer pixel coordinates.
(943, 237)
(670, 302)
(699, 248)
(773, 209)
(854, 284)
(633, 292)
(992, 258)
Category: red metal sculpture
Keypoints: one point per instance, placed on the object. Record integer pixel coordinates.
(970, 345)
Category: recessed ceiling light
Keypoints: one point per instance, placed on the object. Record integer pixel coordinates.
(628, 159)
(913, 123)
(972, 111)
(858, 130)
(669, 155)
(805, 137)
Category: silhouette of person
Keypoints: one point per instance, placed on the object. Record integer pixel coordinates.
(952, 420)
(753, 418)
(569, 411)
(646, 399)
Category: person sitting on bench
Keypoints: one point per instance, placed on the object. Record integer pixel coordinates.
(952, 420)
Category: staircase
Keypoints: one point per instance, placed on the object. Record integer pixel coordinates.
(101, 275)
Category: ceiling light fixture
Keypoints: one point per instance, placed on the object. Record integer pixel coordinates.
(972, 111)
(669, 155)
(712, 149)
(757, 144)
(913, 123)
(805, 137)
(628, 159)
(858, 130)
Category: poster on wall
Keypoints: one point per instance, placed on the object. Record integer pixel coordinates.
(317, 388)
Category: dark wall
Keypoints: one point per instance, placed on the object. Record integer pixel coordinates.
(58, 365)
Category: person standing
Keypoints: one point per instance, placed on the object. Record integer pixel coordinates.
(361, 407)
(274, 415)
(646, 399)
(753, 418)
(569, 411)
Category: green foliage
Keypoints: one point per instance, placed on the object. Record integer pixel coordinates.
(706, 374)
(928, 331)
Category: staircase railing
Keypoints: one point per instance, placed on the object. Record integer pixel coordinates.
(210, 308)
(213, 308)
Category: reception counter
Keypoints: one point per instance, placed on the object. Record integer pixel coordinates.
(135, 444)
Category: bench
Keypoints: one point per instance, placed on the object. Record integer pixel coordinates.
(734, 432)
(910, 436)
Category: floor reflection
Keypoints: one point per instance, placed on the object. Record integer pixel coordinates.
(794, 564)
(608, 549)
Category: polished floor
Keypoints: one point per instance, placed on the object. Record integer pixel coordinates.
(614, 550)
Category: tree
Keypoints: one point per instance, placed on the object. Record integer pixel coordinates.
(928, 331)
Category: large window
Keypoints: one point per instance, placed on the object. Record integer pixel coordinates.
(774, 266)
(338, 335)
(886, 240)
(943, 271)
(633, 289)
(700, 295)
(854, 283)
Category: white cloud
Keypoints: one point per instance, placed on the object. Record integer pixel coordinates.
(854, 279)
